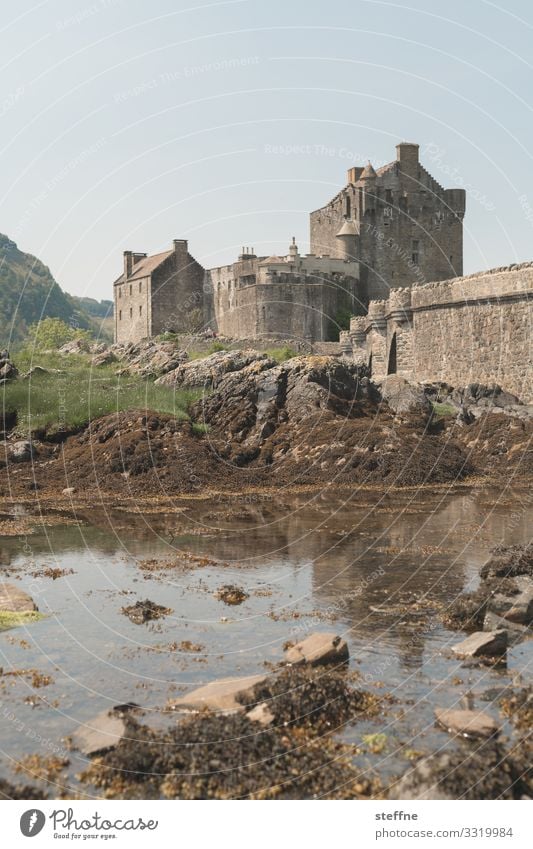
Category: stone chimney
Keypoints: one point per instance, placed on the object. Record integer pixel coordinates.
(128, 264)
(353, 174)
(407, 156)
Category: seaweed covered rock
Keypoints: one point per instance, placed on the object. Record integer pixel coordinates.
(479, 772)
(225, 757)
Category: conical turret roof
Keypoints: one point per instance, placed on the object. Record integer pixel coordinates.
(349, 228)
(368, 172)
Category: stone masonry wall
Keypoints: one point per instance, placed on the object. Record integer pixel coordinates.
(465, 330)
(132, 310)
(476, 329)
(291, 308)
(177, 291)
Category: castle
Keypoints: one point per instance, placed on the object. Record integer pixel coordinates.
(394, 227)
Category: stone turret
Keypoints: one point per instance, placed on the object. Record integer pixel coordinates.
(358, 325)
(399, 304)
(347, 238)
(377, 312)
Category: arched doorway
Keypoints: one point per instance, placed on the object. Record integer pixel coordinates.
(391, 368)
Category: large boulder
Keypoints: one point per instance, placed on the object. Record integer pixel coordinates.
(21, 451)
(483, 644)
(516, 608)
(403, 396)
(15, 600)
(103, 358)
(100, 734)
(467, 723)
(224, 695)
(320, 649)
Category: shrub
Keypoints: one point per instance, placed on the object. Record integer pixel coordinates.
(49, 334)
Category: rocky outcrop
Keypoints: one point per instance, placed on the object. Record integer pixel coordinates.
(209, 371)
(150, 358)
(477, 399)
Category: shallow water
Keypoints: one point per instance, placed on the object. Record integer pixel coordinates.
(372, 566)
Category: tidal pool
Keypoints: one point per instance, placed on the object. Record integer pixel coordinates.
(376, 567)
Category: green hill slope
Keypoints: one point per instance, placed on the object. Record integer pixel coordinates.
(28, 292)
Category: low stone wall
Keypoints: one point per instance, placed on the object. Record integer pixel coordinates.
(469, 329)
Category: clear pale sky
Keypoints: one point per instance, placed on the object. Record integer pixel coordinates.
(125, 123)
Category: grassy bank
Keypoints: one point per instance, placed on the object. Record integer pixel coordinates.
(72, 393)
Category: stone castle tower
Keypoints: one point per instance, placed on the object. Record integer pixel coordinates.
(398, 223)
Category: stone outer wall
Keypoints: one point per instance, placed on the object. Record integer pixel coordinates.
(465, 330)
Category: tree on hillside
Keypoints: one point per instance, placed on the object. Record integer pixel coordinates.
(49, 334)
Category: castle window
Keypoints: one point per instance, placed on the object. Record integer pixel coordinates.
(388, 197)
(140, 310)
(140, 285)
(131, 312)
(414, 248)
(403, 203)
(120, 315)
(131, 289)
(120, 291)
(348, 208)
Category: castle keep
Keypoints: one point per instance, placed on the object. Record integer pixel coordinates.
(398, 222)
(389, 228)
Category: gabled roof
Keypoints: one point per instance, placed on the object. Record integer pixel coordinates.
(146, 266)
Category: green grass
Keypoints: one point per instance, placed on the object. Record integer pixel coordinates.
(68, 400)
(200, 428)
(12, 619)
(444, 409)
(281, 354)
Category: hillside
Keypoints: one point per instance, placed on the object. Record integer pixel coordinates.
(28, 292)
